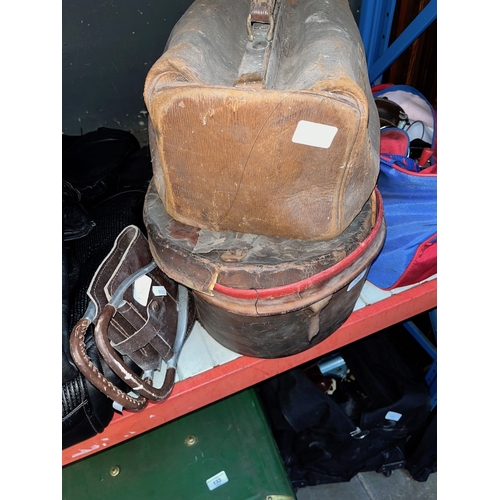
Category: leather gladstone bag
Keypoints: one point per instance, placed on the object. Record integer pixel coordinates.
(262, 119)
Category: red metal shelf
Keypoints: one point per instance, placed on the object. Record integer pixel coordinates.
(223, 380)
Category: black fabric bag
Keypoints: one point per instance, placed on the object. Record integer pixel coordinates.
(95, 166)
(421, 455)
(362, 426)
(92, 162)
(105, 177)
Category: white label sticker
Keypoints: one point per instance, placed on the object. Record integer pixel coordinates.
(356, 280)
(142, 286)
(392, 415)
(159, 291)
(314, 134)
(217, 480)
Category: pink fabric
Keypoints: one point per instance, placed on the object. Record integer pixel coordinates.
(394, 141)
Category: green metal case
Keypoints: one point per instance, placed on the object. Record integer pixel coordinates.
(223, 451)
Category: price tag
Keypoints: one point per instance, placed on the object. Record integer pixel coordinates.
(217, 480)
(142, 286)
(393, 415)
(159, 291)
(313, 134)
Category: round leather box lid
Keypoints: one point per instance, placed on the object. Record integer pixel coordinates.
(200, 258)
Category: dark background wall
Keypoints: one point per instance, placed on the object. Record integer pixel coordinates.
(108, 47)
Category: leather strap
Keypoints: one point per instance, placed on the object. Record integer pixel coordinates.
(139, 313)
(139, 385)
(95, 377)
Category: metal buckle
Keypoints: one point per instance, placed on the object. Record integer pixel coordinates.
(261, 12)
(359, 434)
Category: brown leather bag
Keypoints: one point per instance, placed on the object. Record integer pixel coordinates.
(140, 316)
(262, 119)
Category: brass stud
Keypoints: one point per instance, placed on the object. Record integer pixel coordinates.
(190, 440)
(114, 471)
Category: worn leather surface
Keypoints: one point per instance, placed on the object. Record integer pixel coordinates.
(201, 258)
(267, 323)
(227, 157)
(130, 253)
(272, 325)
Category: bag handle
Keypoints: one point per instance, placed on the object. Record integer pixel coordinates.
(143, 386)
(93, 375)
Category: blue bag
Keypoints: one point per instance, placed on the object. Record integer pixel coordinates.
(409, 193)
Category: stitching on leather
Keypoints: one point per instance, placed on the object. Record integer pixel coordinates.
(106, 383)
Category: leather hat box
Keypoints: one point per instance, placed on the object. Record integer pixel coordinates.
(261, 296)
